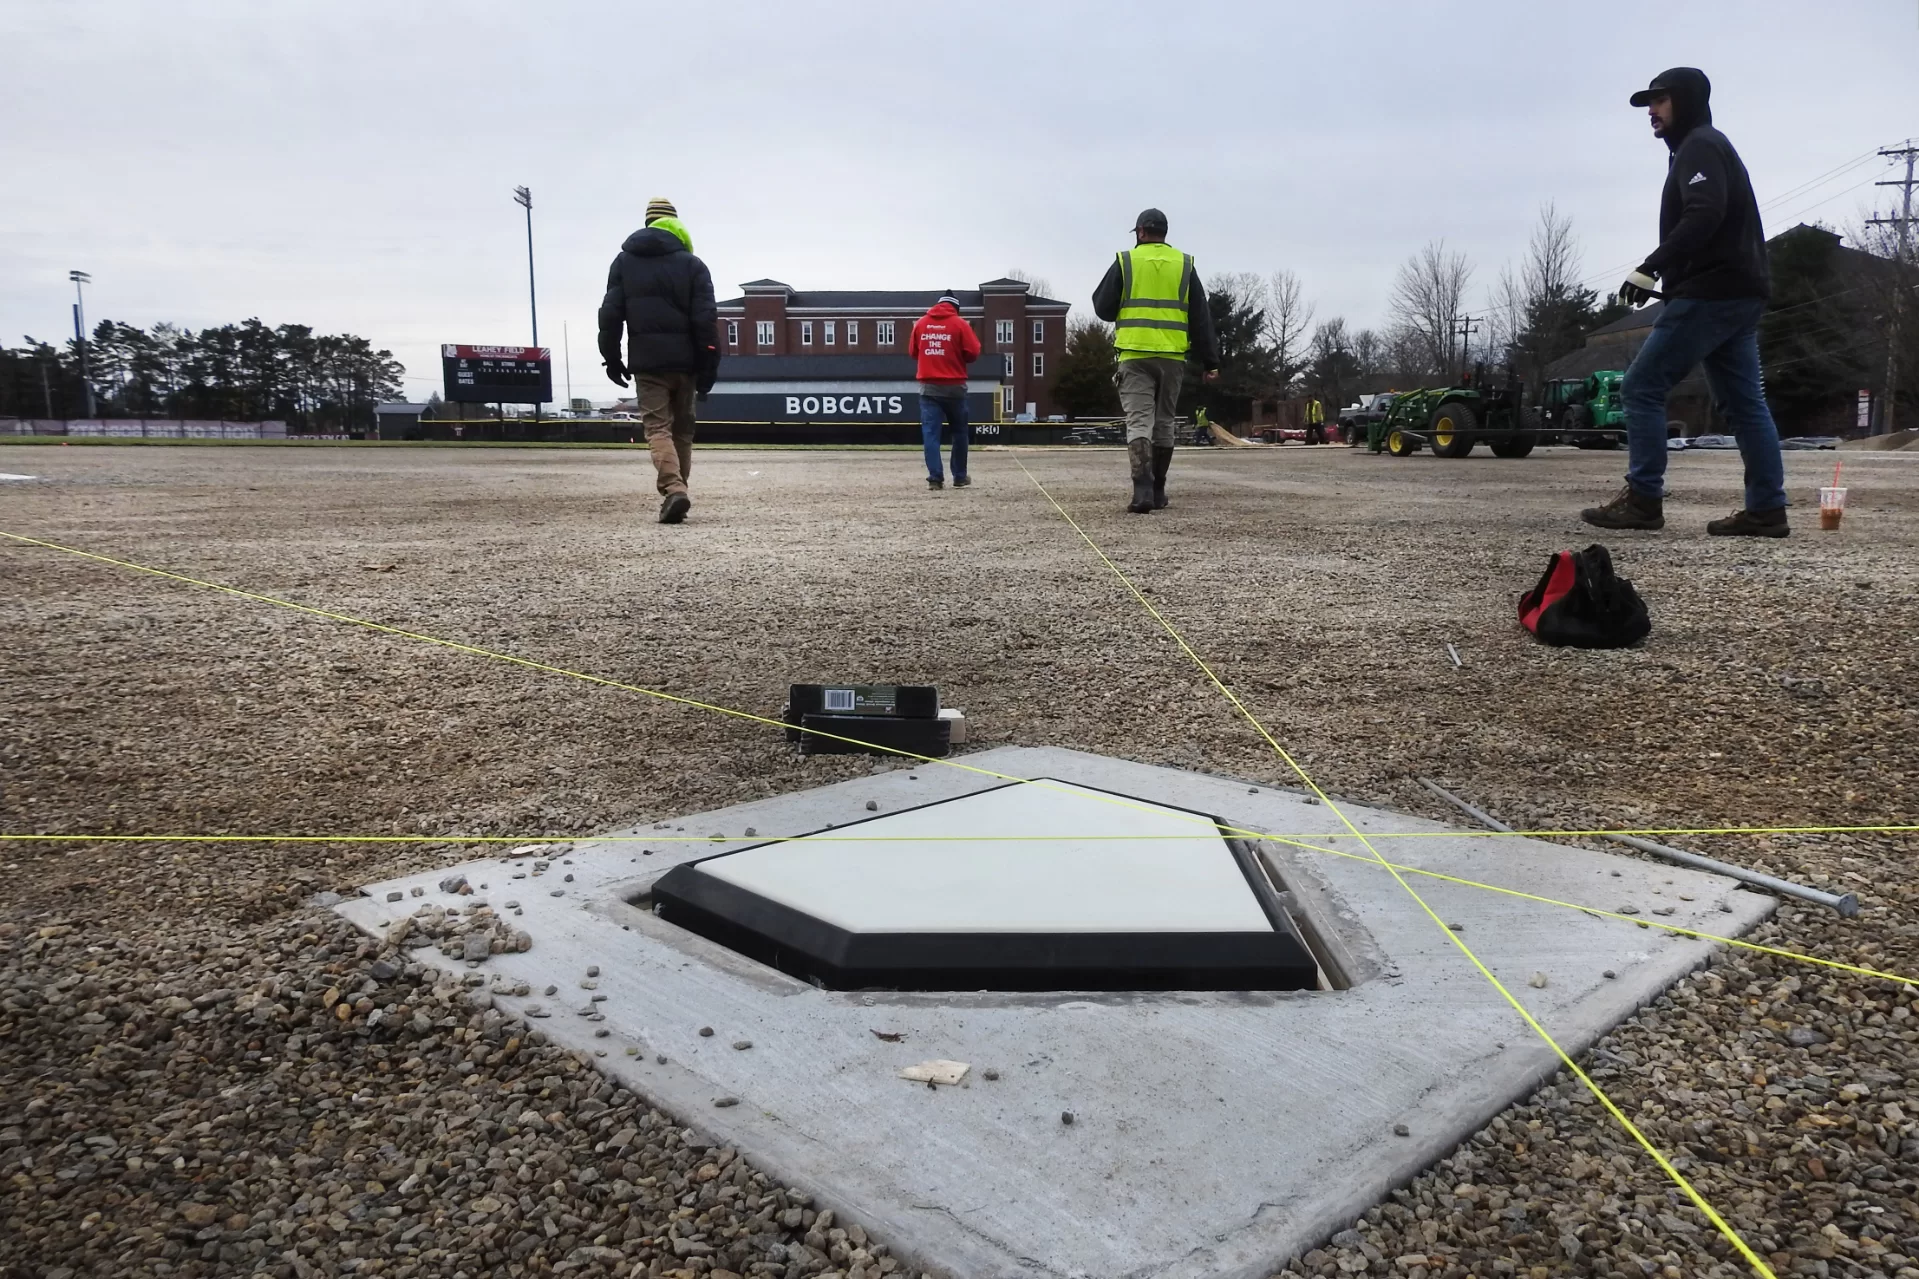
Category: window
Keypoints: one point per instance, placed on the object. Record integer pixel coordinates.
(1039, 332)
(832, 332)
(1009, 364)
(806, 332)
(1003, 332)
(885, 335)
(1006, 399)
(1039, 365)
(732, 332)
(852, 333)
(763, 332)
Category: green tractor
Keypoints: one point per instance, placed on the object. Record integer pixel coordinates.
(1453, 419)
(1587, 411)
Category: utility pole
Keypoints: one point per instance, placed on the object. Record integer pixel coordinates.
(1463, 329)
(524, 198)
(80, 331)
(1894, 330)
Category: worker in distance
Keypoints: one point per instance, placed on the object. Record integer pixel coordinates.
(1152, 297)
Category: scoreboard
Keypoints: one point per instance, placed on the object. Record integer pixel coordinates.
(497, 374)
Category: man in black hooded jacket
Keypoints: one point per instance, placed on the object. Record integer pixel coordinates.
(663, 295)
(1711, 268)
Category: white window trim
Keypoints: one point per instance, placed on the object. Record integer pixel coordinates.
(852, 333)
(832, 332)
(1003, 332)
(1006, 399)
(806, 332)
(732, 332)
(1039, 332)
(764, 333)
(887, 334)
(1039, 365)
(1009, 364)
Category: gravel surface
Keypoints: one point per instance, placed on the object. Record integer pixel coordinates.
(1322, 585)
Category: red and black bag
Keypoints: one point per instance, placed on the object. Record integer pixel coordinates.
(1581, 602)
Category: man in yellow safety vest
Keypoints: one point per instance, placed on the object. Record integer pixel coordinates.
(1315, 421)
(1153, 299)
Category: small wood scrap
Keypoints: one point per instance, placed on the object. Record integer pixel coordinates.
(936, 1072)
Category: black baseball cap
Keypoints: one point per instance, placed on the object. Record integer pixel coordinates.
(1677, 78)
(1150, 220)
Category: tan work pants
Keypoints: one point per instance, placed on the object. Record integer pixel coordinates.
(666, 413)
(1149, 396)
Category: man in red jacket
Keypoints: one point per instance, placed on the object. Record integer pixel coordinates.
(944, 343)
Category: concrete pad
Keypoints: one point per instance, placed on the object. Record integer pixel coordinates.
(1213, 1134)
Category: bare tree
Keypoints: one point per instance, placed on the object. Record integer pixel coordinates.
(1506, 313)
(1039, 286)
(1369, 353)
(1552, 257)
(1289, 317)
(1427, 302)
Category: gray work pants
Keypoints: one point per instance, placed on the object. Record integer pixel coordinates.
(1148, 396)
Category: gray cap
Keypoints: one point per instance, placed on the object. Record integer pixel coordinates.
(1150, 220)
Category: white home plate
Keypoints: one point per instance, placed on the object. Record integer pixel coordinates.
(1042, 886)
(1214, 1132)
(5, 475)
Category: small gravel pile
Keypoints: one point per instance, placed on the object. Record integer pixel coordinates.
(299, 1100)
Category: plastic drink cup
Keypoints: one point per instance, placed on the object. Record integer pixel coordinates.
(1832, 507)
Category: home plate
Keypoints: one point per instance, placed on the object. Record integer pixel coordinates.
(1080, 1025)
(5, 475)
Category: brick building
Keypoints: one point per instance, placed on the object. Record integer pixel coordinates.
(1021, 336)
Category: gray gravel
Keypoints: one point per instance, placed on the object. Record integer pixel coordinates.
(1322, 585)
(265, 1104)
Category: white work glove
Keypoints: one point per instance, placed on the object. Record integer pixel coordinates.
(1638, 289)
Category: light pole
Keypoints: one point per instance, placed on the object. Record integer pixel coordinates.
(80, 331)
(524, 198)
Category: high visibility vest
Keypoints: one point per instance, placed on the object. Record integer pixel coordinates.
(1314, 415)
(1157, 279)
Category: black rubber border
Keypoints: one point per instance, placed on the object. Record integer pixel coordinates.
(827, 955)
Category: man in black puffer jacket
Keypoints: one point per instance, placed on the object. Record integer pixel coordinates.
(1711, 266)
(663, 295)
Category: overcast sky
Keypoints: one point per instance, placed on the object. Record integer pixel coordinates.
(350, 165)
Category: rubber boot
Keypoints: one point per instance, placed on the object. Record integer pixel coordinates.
(1140, 453)
(1162, 459)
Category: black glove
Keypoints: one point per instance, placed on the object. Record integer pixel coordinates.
(616, 370)
(702, 397)
(1638, 288)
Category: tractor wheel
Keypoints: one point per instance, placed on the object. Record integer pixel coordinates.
(1518, 445)
(1452, 427)
(1401, 443)
(1577, 419)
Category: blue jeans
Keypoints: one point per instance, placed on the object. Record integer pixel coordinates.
(1724, 337)
(935, 412)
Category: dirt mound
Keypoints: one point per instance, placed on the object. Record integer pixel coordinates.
(1900, 440)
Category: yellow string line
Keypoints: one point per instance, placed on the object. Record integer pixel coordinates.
(907, 839)
(1725, 1228)
(471, 649)
(828, 837)
(746, 715)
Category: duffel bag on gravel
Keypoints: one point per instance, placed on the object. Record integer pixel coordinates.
(1580, 602)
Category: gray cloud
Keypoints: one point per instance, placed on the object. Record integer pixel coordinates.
(350, 165)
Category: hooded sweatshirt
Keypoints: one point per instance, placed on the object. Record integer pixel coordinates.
(663, 297)
(945, 344)
(1711, 243)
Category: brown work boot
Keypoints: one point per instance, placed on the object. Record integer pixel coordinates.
(1751, 524)
(1140, 454)
(675, 506)
(1628, 510)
